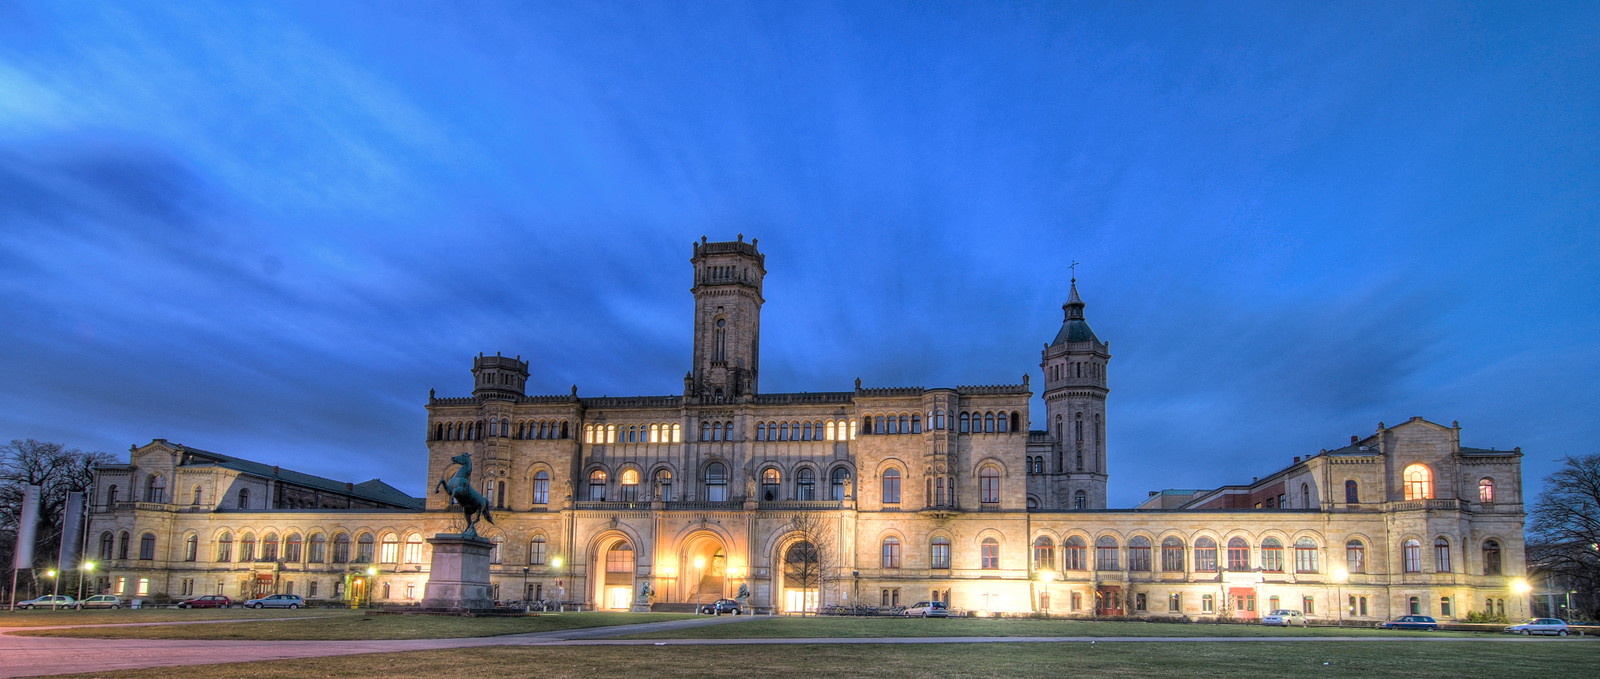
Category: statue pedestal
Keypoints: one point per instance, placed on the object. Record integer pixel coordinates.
(459, 579)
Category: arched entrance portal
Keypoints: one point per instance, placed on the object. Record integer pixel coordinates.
(614, 563)
(802, 577)
(703, 569)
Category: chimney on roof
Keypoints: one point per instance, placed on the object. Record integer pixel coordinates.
(349, 486)
(275, 469)
(1354, 439)
(1297, 459)
(1154, 493)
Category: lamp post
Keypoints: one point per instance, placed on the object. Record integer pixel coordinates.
(87, 566)
(1520, 587)
(55, 586)
(1340, 575)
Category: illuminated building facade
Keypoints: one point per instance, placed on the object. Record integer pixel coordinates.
(910, 493)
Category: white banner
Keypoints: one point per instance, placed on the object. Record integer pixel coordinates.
(71, 532)
(27, 527)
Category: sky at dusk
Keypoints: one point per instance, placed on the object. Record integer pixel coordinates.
(268, 229)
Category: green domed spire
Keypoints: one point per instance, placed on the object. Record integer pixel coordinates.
(1074, 328)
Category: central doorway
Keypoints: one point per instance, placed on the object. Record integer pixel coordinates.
(703, 570)
(616, 582)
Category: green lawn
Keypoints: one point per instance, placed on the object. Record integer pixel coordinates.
(41, 618)
(348, 625)
(1538, 659)
(774, 628)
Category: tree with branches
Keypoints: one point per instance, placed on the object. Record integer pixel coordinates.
(57, 470)
(810, 561)
(1564, 531)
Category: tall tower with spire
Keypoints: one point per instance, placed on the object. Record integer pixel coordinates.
(727, 320)
(1075, 409)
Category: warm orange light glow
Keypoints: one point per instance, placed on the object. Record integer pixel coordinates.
(667, 570)
(699, 562)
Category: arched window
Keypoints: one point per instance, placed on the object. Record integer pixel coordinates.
(1418, 482)
(891, 487)
(891, 552)
(244, 498)
(269, 547)
(837, 480)
(989, 553)
(939, 552)
(1355, 556)
(341, 548)
(1272, 555)
(1491, 557)
(224, 547)
(630, 485)
(761, 431)
(1352, 492)
(197, 494)
(1305, 556)
(155, 489)
(1080, 500)
(1075, 554)
(717, 482)
(122, 545)
(1044, 554)
(364, 548)
(770, 480)
(988, 423)
(495, 551)
(1305, 496)
(1238, 554)
(1139, 554)
(413, 549)
(111, 496)
(1441, 555)
(805, 484)
(541, 487)
(1205, 555)
(597, 485)
(247, 548)
(664, 484)
(147, 546)
(389, 551)
(963, 426)
(536, 550)
(1411, 556)
(989, 485)
(1105, 554)
(293, 548)
(319, 548)
(1486, 490)
(1172, 555)
(191, 548)
(108, 546)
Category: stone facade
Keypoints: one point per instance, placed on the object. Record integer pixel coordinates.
(907, 493)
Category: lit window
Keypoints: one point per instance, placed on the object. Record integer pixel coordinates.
(390, 552)
(1418, 482)
(620, 559)
(413, 548)
(770, 480)
(1486, 490)
(597, 485)
(630, 485)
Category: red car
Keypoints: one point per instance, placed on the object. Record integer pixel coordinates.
(207, 601)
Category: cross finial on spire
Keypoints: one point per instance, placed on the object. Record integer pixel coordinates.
(1074, 267)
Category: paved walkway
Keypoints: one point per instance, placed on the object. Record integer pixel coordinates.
(24, 656)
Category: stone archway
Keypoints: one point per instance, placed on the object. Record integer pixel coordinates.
(703, 570)
(611, 587)
(799, 577)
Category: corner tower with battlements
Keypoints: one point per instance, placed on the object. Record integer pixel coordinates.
(727, 320)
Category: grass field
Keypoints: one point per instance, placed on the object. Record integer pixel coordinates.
(1541, 659)
(337, 625)
(772, 628)
(42, 618)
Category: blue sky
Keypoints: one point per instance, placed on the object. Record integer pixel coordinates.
(268, 229)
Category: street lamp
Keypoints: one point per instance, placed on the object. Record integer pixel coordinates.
(1520, 587)
(1340, 575)
(87, 566)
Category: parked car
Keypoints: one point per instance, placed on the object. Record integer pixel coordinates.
(276, 601)
(927, 609)
(1540, 626)
(207, 601)
(1285, 617)
(1421, 622)
(721, 606)
(100, 601)
(49, 601)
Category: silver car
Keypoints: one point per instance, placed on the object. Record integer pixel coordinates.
(49, 601)
(277, 601)
(100, 601)
(1551, 626)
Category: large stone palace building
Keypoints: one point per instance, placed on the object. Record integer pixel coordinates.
(878, 496)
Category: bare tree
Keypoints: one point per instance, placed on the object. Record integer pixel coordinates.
(1564, 530)
(810, 562)
(57, 470)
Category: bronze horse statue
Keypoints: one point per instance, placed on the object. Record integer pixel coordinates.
(459, 486)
